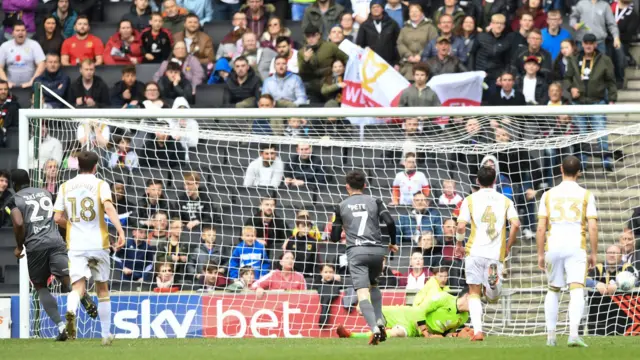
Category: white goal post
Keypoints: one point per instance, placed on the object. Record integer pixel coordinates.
(509, 317)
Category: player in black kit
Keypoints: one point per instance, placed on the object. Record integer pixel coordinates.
(31, 211)
(360, 216)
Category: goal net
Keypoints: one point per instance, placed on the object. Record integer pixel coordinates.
(213, 202)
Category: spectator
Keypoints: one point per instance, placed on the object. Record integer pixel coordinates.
(417, 275)
(518, 39)
(247, 277)
(567, 48)
(487, 12)
(332, 127)
(159, 234)
(426, 246)
(316, 60)
(259, 58)
(139, 15)
(154, 202)
(16, 12)
(594, 18)
(271, 231)
(380, 33)
(508, 96)
(55, 80)
(467, 31)
(156, 41)
(200, 9)
(5, 194)
(190, 67)
(89, 90)
(250, 252)
(275, 30)
(590, 79)
(408, 182)
(336, 35)
(210, 279)
(334, 84)
(314, 232)
(136, 257)
(165, 280)
(296, 127)
(284, 48)
(185, 131)
(543, 57)
(49, 179)
(221, 72)
(628, 23)
(173, 84)
(397, 11)
(346, 23)
(532, 85)
(285, 279)
(267, 126)
(449, 195)
(242, 89)
(563, 126)
(450, 8)
(124, 47)
(152, 97)
(66, 17)
(82, 45)
(267, 170)
(23, 58)
(284, 86)
(225, 10)
(208, 252)
(449, 241)
(387, 279)
(174, 16)
(633, 223)
(443, 63)
(421, 219)
(228, 47)
(199, 44)
(491, 51)
(437, 283)
(124, 156)
(196, 208)
(328, 286)
(161, 151)
(602, 277)
(49, 36)
(534, 8)
(303, 246)
(413, 38)
(627, 243)
(322, 15)
(419, 94)
(446, 30)
(93, 9)
(177, 253)
(554, 34)
(304, 169)
(128, 92)
(257, 15)
(50, 147)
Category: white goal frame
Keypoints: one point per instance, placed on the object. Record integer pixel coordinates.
(219, 113)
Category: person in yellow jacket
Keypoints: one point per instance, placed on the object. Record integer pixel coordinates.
(314, 232)
(437, 283)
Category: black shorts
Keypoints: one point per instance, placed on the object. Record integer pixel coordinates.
(46, 262)
(365, 265)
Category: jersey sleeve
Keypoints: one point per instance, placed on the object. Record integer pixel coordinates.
(337, 219)
(382, 208)
(512, 214)
(10, 205)
(592, 213)
(543, 212)
(465, 212)
(105, 192)
(434, 302)
(59, 204)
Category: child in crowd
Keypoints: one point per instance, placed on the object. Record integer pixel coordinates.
(249, 252)
(449, 196)
(247, 277)
(124, 156)
(156, 41)
(296, 127)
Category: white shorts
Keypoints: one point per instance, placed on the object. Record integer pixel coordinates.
(566, 267)
(476, 270)
(89, 264)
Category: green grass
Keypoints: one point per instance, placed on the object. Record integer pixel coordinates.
(493, 348)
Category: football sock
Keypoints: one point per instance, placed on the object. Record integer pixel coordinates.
(576, 307)
(475, 312)
(369, 315)
(376, 302)
(72, 302)
(104, 313)
(551, 312)
(364, 335)
(50, 305)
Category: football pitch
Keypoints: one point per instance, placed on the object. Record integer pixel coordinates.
(493, 348)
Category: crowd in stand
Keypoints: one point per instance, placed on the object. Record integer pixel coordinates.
(529, 58)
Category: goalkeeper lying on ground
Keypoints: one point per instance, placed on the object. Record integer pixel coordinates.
(440, 314)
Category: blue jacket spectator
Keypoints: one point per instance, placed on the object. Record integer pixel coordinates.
(553, 35)
(249, 252)
(286, 88)
(136, 258)
(202, 8)
(458, 49)
(220, 72)
(55, 80)
(66, 17)
(421, 219)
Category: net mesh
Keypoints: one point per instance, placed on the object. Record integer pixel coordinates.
(177, 179)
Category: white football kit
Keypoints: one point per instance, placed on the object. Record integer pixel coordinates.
(82, 200)
(567, 207)
(487, 211)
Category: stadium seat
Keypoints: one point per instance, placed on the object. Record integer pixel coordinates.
(224, 177)
(12, 274)
(67, 174)
(9, 288)
(209, 96)
(7, 238)
(114, 11)
(104, 31)
(8, 159)
(1, 276)
(13, 140)
(250, 196)
(23, 96)
(217, 30)
(297, 33)
(295, 198)
(241, 156)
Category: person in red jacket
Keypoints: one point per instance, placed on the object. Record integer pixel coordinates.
(124, 47)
